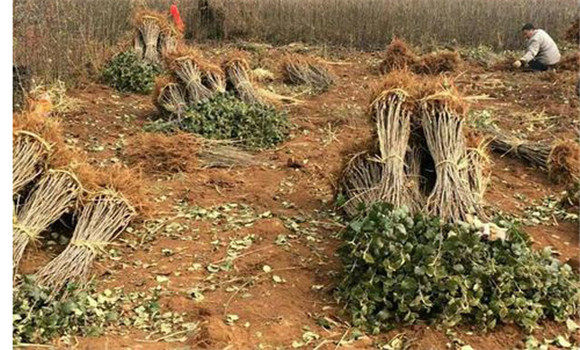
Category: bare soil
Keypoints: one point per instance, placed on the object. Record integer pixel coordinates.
(328, 126)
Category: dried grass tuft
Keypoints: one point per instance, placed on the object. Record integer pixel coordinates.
(564, 161)
(570, 62)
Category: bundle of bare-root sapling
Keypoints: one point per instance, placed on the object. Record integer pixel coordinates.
(360, 182)
(102, 219)
(437, 62)
(169, 98)
(149, 25)
(29, 155)
(300, 70)
(54, 195)
(561, 159)
(442, 121)
(392, 113)
(117, 197)
(478, 165)
(398, 56)
(185, 66)
(239, 80)
(379, 173)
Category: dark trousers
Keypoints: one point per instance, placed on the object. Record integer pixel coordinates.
(538, 66)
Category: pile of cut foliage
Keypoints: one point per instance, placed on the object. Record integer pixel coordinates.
(37, 318)
(127, 73)
(225, 117)
(404, 269)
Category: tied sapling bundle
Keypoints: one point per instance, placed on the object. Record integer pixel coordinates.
(442, 122)
(306, 70)
(392, 116)
(185, 66)
(169, 97)
(54, 195)
(477, 171)
(238, 78)
(213, 78)
(360, 182)
(149, 26)
(561, 159)
(398, 56)
(29, 155)
(100, 222)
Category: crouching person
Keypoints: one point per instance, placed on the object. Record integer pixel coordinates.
(541, 51)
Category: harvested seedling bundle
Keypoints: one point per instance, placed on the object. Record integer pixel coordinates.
(54, 195)
(238, 79)
(442, 120)
(299, 69)
(169, 97)
(561, 159)
(117, 197)
(392, 112)
(213, 78)
(437, 62)
(398, 56)
(149, 25)
(187, 67)
(29, 156)
(100, 222)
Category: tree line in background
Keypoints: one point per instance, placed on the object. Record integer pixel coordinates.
(70, 39)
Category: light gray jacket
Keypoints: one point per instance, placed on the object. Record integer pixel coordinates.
(542, 48)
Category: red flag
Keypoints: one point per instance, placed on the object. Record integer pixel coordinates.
(176, 18)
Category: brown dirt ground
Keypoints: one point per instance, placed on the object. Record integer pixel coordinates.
(328, 127)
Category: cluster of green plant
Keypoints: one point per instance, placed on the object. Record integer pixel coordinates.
(405, 269)
(127, 73)
(36, 318)
(225, 117)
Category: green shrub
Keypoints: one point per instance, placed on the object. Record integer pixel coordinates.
(127, 73)
(225, 117)
(400, 269)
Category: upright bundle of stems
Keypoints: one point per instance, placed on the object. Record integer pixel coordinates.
(54, 195)
(414, 159)
(100, 222)
(190, 74)
(238, 78)
(393, 126)
(29, 155)
(150, 30)
(306, 70)
(360, 182)
(442, 122)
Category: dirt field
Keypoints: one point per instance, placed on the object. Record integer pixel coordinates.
(277, 292)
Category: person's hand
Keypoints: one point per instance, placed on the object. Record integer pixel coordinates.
(517, 64)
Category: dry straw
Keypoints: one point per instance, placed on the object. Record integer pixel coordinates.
(54, 195)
